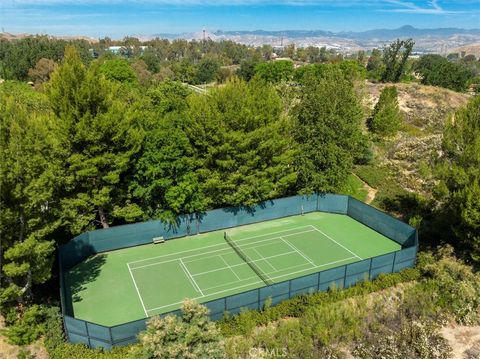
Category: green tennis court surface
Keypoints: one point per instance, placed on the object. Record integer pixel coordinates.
(129, 284)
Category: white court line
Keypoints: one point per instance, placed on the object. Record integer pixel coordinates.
(191, 277)
(246, 285)
(242, 264)
(270, 233)
(213, 245)
(243, 246)
(322, 265)
(138, 292)
(326, 235)
(256, 276)
(228, 248)
(224, 261)
(188, 276)
(299, 252)
(264, 259)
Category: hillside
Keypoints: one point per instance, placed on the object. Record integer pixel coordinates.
(472, 49)
(403, 163)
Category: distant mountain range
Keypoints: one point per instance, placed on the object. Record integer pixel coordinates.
(440, 40)
(381, 34)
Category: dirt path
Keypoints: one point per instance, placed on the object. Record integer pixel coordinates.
(465, 341)
(371, 192)
(7, 351)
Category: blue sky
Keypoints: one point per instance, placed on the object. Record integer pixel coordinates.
(118, 18)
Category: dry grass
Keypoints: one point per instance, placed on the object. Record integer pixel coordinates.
(8, 351)
(410, 153)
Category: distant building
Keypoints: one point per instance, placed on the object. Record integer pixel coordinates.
(114, 49)
(278, 48)
(118, 50)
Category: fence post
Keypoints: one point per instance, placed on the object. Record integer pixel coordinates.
(345, 276)
(258, 298)
(394, 259)
(370, 269)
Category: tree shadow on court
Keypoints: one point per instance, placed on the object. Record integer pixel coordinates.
(82, 274)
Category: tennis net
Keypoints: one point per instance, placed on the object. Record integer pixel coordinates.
(251, 263)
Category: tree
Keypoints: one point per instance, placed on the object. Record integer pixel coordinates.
(223, 74)
(386, 117)
(192, 335)
(375, 66)
(102, 121)
(438, 71)
(395, 57)
(118, 70)
(350, 70)
(144, 77)
(247, 68)
(459, 171)
(42, 71)
(243, 147)
(30, 149)
(327, 129)
(164, 183)
(275, 71)
(206, 70)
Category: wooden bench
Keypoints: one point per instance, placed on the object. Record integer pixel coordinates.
(157, 240)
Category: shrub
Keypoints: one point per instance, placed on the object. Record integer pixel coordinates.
(246, 321)
(58, 348)
(386, 117)
(192, 335)
(458, 286)
(411, 340)
(28, 327)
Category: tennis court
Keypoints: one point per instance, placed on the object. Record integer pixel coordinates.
(152, 279)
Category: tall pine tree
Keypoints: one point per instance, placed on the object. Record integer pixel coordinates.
(460, 175)
(30, 152)
(386, 116)
(101, 122)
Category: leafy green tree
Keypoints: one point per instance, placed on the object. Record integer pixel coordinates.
(327, 129)
(350, 70)
(460, 174)
(102, 121)
(438, 71)
(192, 335)
(206, 70)
(30, 149)
(247, 68)
(169, 96)
(18, 56)
(395, 57)
(386, 117)
(118, 70)
(275, 71)
(375, 65)
(165, 183)
(243, 148)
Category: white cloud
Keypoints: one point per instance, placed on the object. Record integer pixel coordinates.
(432, 8)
